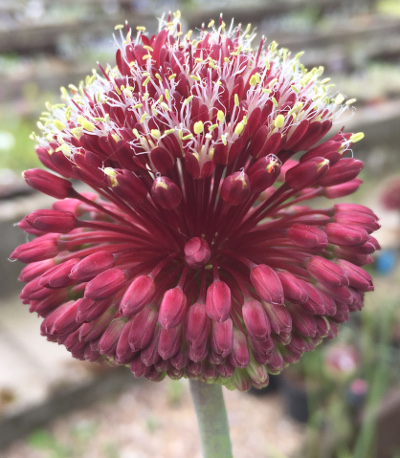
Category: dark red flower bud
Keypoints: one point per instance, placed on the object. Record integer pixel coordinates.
(331, 150)
(138, 294)
(166, 193)
(109, 340)
(340, 234)
(52, 221)
(35, 269)
(150, 355)
(42, 248)
(197, 324)
(295, 289)
(163, 161)
(90, 309)
(170, 342)
(358, 278)
(356, 216)
(344, 189)
(327, 272)
(91, 331)
(197, 252)
(256, 320)
(235, 189)
(218, 301)
(258, 374)
(264, 173)
(46, 182)
(304, 323)
(306, 173)
(279, 317)
(62, 320)
(127, 186)
(267, 284)
(343, 171)
(240, 356)
(319, 303)
(307, 236)
(105, 284)
(222, 337)
(92, 265)
(142, 328)
(58, 276)
(173, 308)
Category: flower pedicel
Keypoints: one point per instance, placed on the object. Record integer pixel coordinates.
(196, 256)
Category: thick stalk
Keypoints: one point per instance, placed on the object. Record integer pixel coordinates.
(212, 419)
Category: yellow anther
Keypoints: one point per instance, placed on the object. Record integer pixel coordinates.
(274, 101)
(169, 131)
(223, 138)
(248, 28)
(155, 133)
(138, 105)
(255, 79)
(189, 34)
(165, 106)
(116, 137)
(208, 136)
(188, 100)
(194, 77)
(236, 99)
(148, 48)
(357, 137)
(136, 133)
(295, 89)
(64, 148)
(128, 93)
(167, 95)
(351, 101)
(226, 59)
(325, 80)
(267, 91)
(140, 28)
(198, 60)
(158, 76)
(279, 121)
(145, 96)
(221, 116)
(339, 99)
(73, 88)
(239, 128)
(211, 24)
(58, 124)
(143, 117)
(171, 77)
(154, 110)
(146, 81)
(198, 127)
(211, 128)
(147, 56)
(273, 82)
(187, 137)
(298, 55)
(77, 132)
(110, 172)
(64, 93)
(85, 123)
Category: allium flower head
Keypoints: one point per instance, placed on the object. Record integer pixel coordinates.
(196, 257)
(390, 197)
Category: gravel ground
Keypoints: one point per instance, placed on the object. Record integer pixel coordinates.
(158, 420)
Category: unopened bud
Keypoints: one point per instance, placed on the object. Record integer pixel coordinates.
(166, 193)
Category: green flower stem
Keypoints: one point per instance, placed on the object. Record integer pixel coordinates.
(212, 419)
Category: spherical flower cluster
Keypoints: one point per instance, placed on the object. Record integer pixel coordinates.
(196, 257)
(390, 197)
